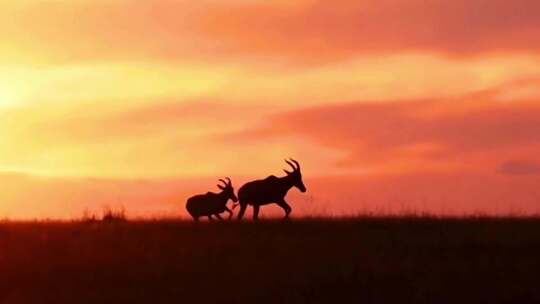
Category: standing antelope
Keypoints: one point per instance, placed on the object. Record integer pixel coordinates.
(212, 203)
(270, 190)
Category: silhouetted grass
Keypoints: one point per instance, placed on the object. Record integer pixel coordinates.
(356, 260)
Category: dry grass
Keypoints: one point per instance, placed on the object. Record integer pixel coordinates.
(367, 260)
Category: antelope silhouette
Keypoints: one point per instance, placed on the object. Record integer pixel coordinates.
(270, 190)
(212, 203)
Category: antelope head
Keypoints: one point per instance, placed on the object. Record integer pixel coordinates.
(228, 189)
(295, 175)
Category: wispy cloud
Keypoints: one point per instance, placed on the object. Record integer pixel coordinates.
(519, 167)
(309, 31)
(473, 130)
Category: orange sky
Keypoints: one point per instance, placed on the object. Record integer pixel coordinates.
(145, 102)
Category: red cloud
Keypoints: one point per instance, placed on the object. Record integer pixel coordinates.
(315, 32)
(323, 32)
(474, 130)
(519, 167)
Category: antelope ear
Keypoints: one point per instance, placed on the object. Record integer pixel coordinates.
(288, 172)
(221, 187)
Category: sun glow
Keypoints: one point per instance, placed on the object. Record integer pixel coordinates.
(7, 97)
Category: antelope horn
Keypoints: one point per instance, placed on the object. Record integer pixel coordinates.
(296, 163)
(223, 181)
(229, 180)
(291, 164)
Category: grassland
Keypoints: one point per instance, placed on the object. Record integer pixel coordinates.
(361, 260)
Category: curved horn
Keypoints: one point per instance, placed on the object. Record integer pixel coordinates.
(291, 164)
(229, 180)
(296, 163)
(223, 181)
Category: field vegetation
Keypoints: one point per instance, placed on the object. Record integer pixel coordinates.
(354, 260)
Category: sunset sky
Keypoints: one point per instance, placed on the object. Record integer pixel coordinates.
(389, 105)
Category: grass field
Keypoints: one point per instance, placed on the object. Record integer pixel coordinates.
(362, 260)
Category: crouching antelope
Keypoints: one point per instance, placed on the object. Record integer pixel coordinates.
(270, 190)
(212, 203)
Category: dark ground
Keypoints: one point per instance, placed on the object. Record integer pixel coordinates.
(364, 260)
